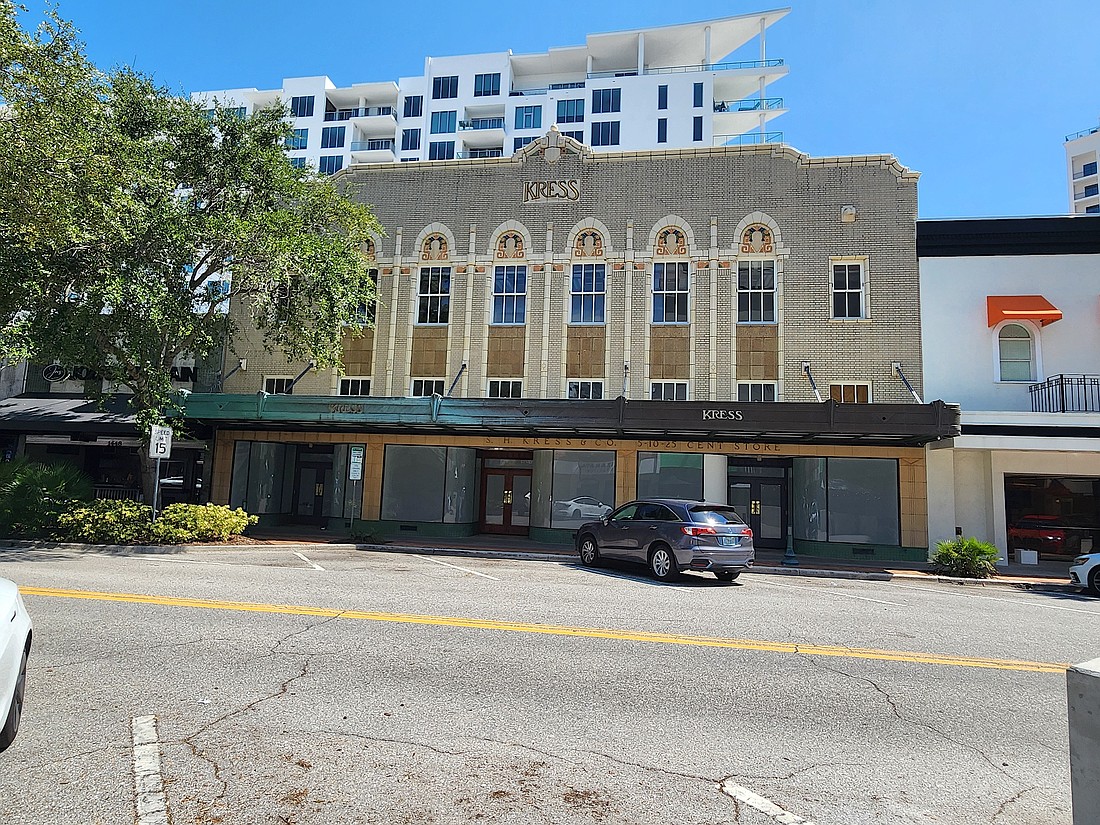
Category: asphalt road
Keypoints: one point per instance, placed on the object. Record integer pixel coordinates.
(355, 687)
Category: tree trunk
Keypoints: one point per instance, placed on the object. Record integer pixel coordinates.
(148, 472)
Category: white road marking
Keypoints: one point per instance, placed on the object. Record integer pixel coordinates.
(149, 801)
(458, 567)
(307, 561)
(833, 593)
(967, 590)
(765, 806)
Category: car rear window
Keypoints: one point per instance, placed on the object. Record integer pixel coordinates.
(715, 515)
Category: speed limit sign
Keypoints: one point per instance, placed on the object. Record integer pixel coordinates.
(160, 442)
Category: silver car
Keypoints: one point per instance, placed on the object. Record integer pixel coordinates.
(670, 536)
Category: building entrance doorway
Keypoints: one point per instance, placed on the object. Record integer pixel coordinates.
(758, 492)
(313, 483)
(506, 493)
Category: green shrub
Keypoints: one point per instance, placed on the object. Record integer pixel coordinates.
(966, 558)
(33, 495)
(106, 522)
(185, 523)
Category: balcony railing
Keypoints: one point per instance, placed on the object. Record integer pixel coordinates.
(756, 104)
(699, 67)
(523, 92)
(1066, 393)
(1087, 171)
(371, 145)
(748, 139)
(479, 153)
(1091, 191)
(1083, 132)
(482, 123)
(363, 111)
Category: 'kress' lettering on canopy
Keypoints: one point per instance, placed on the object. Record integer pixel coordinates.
(722, 415)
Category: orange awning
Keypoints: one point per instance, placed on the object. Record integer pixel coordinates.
(1021, 308)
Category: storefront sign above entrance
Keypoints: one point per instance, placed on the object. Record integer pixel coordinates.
(551, 190)
(722, 415)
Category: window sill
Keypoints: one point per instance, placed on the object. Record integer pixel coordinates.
(850, 320)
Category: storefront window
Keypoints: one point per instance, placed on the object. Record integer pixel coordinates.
(809, 499)
(1059, 516)
(413, 482)
(863, 500)
(670, 475)
(460, 504)
(584, 486)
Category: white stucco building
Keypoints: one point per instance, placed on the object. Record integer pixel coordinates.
(1082, 151)
(1010, 318)
(687, 85)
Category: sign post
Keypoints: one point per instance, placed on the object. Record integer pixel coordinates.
(160, 447)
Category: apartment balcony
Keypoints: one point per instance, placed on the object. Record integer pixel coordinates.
(1082, 133)
(475, 154)
(379, 150)
(374, 121)
(1066, 394)
(359, 111)
(748, 139)
(482, 132)
(732, 117)
(1090, 191)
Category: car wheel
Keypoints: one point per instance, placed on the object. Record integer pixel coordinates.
(1094, 581)
(11, 724)
(662, 563)
(576, 514)
(590, 552)
(727, 575)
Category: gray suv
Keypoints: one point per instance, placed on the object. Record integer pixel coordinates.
(671, 535)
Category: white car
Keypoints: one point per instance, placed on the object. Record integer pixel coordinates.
(1085, 572)
(15, 646)
(584, 507)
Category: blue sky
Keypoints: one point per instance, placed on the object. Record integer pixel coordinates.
(977, 95)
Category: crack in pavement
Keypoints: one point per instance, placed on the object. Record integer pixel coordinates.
(925, 725)
(1009, 801)
(60, 759)
(120, 655)
(793, 774)
(409, 742)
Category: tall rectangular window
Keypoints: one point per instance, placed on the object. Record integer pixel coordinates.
(301, 106)
(298, 163)
(662, 130)
(486, 85)
(670, 293)
(331, 164)
(441, 150)
(577, 136)
(414, 105)
(756, 391)
(662, 97)
(571, 111)
(298, 140)
(423, 387)
(444, 123)
(848, 291)
(505, 389)
(434, 295)
(510, 295)
(588, 293)
(410, 140)
(668, 391)
(697, 95)
(605, 134)
(332, 137)
(756, 292)
(519, 143)
(586, 390)
(528, 117)
(444, 87)
(697, 128)
(606, 100)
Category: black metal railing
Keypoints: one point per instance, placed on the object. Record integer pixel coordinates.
(1066, 393)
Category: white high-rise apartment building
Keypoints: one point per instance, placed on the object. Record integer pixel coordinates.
(1082, 152)
(657, 88)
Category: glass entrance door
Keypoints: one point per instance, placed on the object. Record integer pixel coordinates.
(506, 500)
(759, 494)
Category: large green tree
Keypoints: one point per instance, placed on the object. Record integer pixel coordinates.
(131, 218)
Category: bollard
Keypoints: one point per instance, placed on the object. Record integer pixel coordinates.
(1083, 692)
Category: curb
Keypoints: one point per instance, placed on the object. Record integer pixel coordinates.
(767, 570)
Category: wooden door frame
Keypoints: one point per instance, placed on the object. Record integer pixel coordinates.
(507, 528)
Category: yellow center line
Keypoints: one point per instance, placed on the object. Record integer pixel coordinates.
(560, 630)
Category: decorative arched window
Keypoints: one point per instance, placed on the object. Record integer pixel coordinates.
(1015, 353)
(756, 276)
(670, 278)
(510, 246)
(589, 244)
(757, 240)
(671, 241)
(435, 248)
(368, 249)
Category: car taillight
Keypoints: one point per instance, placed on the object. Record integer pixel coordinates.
(746, 532)
(700, 531)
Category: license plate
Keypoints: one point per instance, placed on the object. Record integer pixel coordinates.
(729, 541)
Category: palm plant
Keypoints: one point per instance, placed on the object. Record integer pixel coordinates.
(32, 494)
